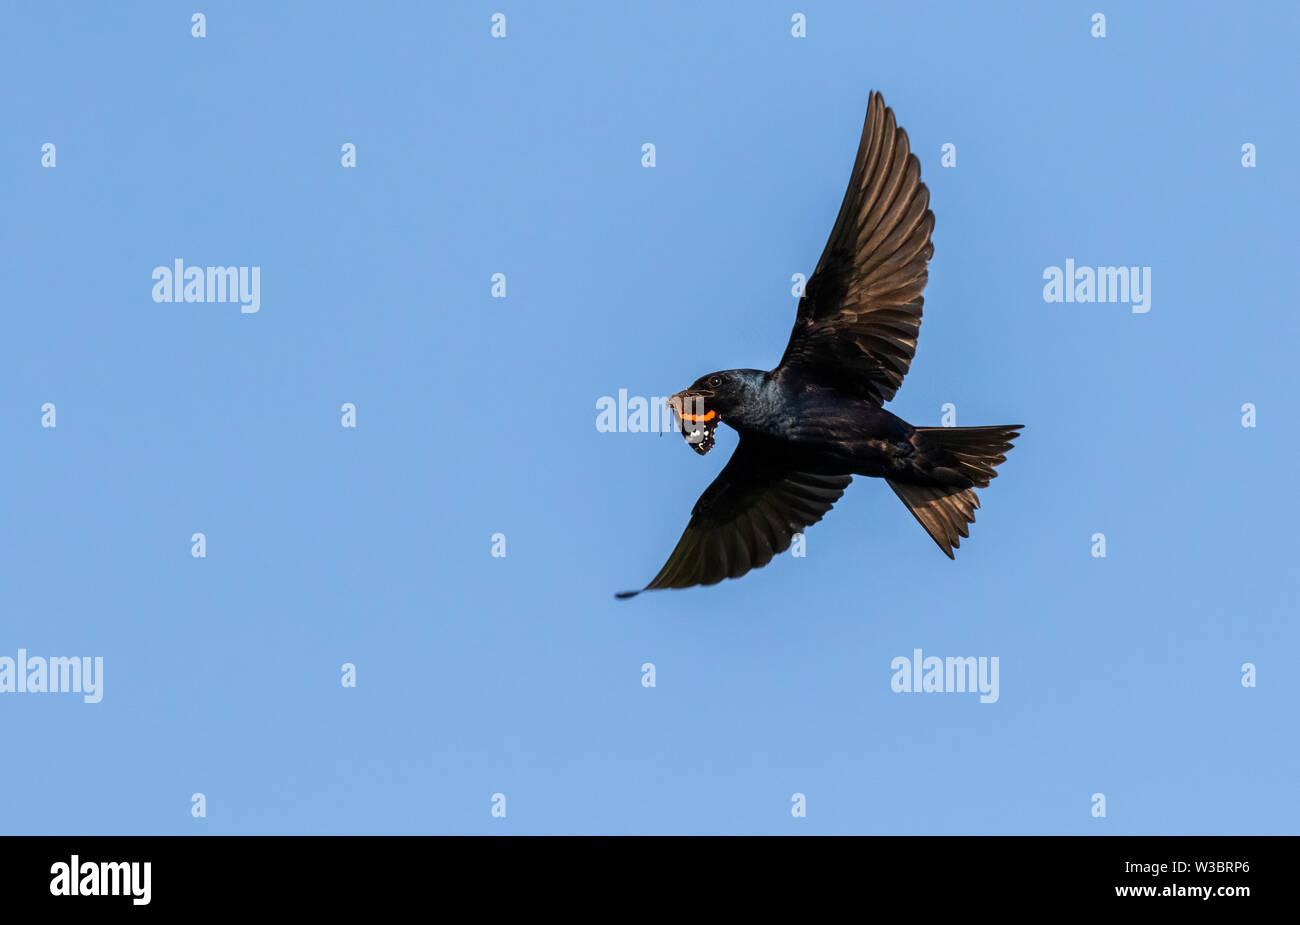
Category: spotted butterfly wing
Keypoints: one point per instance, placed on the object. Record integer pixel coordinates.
(698, 426)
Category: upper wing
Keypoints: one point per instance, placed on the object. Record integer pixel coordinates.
(861, 310)
(754, 507)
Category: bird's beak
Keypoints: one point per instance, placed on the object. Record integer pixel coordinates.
(688, 402)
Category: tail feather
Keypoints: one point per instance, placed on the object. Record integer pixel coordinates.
(951, 463)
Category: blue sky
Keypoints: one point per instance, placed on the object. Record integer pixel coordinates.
(475, 416)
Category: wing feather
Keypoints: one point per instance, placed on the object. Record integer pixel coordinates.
(748, 515)
(858, 320)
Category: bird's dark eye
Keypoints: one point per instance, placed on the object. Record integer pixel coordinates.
(715, 381)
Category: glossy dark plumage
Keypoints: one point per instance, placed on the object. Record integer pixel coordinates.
(808, 426)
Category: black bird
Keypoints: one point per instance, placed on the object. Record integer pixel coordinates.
(810, 425)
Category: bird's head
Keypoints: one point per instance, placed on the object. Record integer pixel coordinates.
(709, 400)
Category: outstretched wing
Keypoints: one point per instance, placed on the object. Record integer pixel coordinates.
(755, 506)
(861, 310)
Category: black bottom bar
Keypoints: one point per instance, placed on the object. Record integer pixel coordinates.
(373, 874)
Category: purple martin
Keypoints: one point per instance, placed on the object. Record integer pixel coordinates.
(810, 425)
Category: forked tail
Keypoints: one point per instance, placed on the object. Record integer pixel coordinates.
(951, 462)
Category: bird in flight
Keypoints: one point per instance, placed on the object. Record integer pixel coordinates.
(810, 425)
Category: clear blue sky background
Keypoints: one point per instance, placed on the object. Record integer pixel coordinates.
(522, 675)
